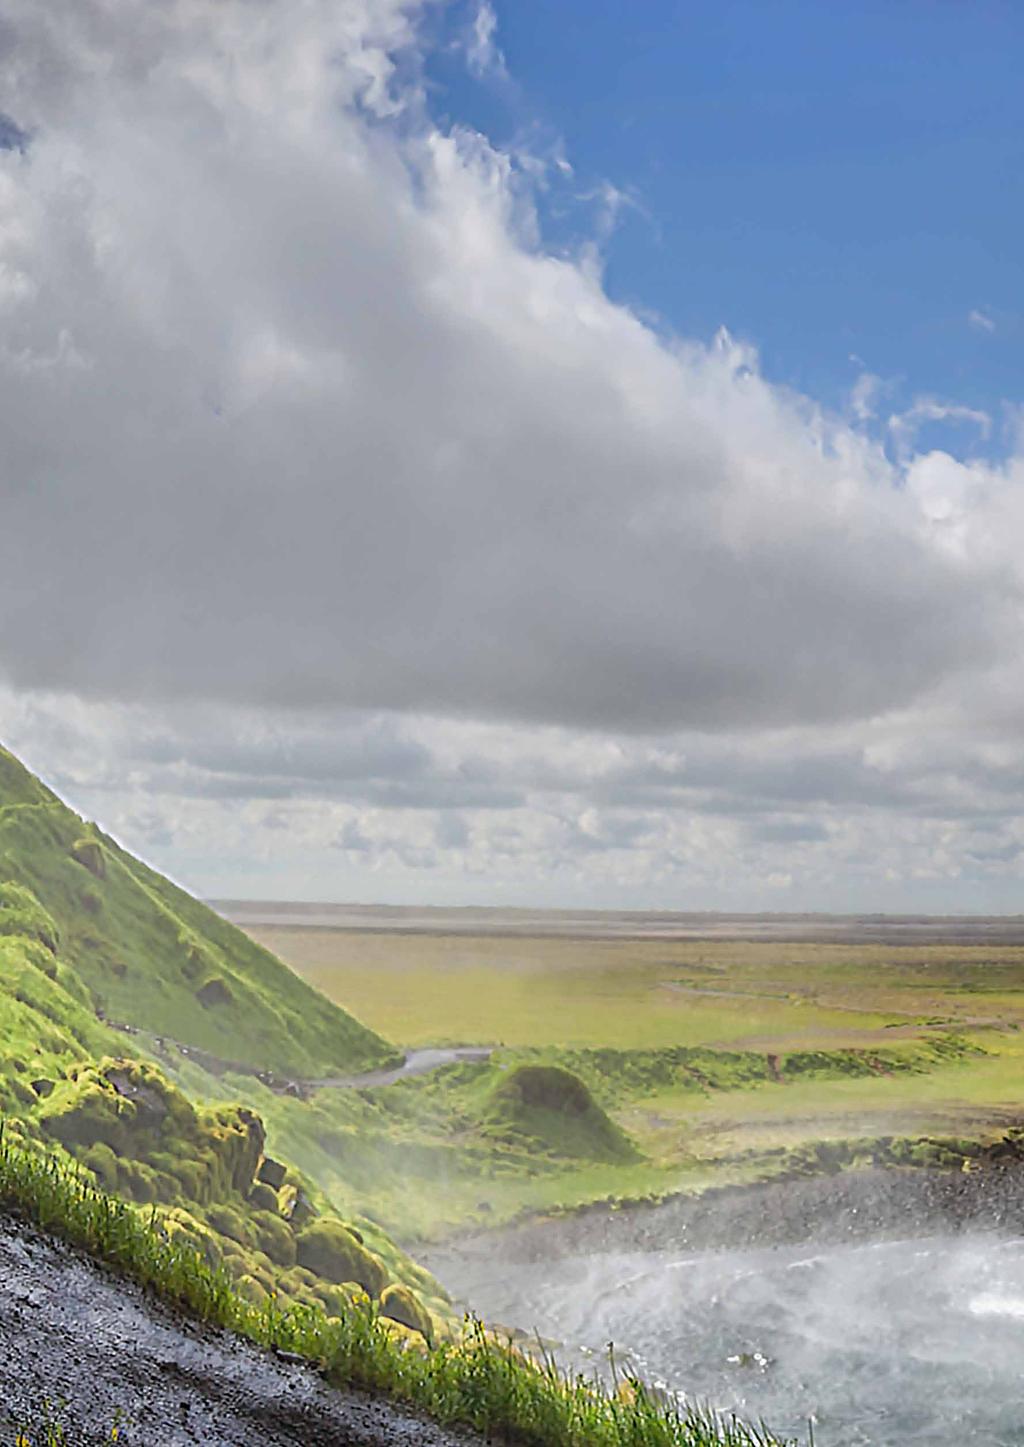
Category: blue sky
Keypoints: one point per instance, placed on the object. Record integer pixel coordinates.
(838, 183)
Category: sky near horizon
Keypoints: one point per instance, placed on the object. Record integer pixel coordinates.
(534, 454)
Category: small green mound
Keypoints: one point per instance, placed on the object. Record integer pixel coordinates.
(546, 1108)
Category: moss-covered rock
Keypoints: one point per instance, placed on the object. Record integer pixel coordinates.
(262, 1198)
(252, 1289)
(182, 1228)
(274, 1238)
(399, 1303)
(329, 1249)
(228, 1220)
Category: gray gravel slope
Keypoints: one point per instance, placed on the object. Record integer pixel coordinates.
(72, 1332)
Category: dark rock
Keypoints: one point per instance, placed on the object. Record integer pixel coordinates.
(271, 1173)
(150, 1106)
(89, 854)
(214, 992)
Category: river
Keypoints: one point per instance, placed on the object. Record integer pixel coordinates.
(910, 1341)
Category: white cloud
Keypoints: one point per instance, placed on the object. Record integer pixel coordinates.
(980, 321)
(344, 434)
(482, 50)
(333, 507)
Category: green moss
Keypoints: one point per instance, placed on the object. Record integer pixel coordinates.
(22, 914)
(329, 1249)
(399, 1303)
(554, 1110)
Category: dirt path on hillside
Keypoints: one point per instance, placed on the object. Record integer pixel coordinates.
(71, 1332)
(413, 1062)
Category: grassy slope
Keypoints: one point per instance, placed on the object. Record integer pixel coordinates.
(143, 948)
(77, 936)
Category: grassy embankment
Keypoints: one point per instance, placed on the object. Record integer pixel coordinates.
(477, 1379)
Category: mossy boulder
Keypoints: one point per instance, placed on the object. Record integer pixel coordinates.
(237, 1136)
(262, 1198)
(274, 1238)
(329, 1249)
(183, 1229)
(399, 1303)
(547, 1108)
(252, 1290)
(228, 1220)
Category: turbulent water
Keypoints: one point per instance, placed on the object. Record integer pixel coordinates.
(915, 1341)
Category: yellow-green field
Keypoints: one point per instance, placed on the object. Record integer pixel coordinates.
(771, 998)
(420, 989)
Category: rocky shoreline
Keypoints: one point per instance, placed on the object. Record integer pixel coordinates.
(848, 1205)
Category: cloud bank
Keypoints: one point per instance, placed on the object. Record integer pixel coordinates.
(308, 437)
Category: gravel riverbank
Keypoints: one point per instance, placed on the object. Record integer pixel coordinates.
(848, 1206)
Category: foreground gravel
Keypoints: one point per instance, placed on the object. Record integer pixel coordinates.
(71, 1332)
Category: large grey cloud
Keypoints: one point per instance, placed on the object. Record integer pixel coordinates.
(297, 412)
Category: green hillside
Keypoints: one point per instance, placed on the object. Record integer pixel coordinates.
(149, 955)
(94, 945)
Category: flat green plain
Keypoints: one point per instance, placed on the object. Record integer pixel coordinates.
(877, 1017)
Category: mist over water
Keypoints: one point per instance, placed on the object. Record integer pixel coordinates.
(896, 1342)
